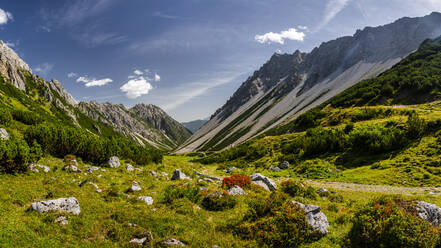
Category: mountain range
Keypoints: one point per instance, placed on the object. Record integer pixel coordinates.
(290, 84)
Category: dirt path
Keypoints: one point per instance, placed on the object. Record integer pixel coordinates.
(375, 188)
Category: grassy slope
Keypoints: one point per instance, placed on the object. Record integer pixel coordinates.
(104, 223)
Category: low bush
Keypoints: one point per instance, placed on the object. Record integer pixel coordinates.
(317, 169)
(298, 189)
(5, 117)
(172, 193)
(391, 222)
(15, 156)
(275, 222)
(218, 201)
(26, 117)
(242, 181)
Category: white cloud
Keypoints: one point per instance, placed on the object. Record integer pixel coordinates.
(302, 27)
(44, 68)
(11, 44)
(290, 34)
(332, 9)
(92, 82)
(137, 87)
(5, 17)
(138, 72)
(72, 75)
(157, 77)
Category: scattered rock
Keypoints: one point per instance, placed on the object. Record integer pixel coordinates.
(263, 181)
(208, 180)
(315, 218)
(62, 220)
(114, 162)
(4, 134)
(153, 173)
(214, 178)
(142, 239)
(130, 168)
(164, 174)
(69, 205)
(179, 175)
(274, 168)
(172, 242)
(203, 189)
(236, 190)
(284, 165)
(322, 190)
(147, 199)
(429, 212)
(231, 170)
(198, 173)
(34, 168)
(71, 168)
(135, 187)
(91, 169)
(98, 190)
(138, 169)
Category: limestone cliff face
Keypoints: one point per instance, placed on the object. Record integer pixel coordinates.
(11, 66)
(290, 84)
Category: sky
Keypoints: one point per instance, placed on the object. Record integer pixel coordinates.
(186, 56)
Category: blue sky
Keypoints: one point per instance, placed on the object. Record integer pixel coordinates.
(187, 56)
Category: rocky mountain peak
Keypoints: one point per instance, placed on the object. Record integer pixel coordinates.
(11, 65)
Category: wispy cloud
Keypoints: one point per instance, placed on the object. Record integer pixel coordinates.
(290, 34)
(93, 37)
(44, 68)
(93, 82)
(5, 17)
(12, 44)
(168, 16)
(72, 75)
(333, 7)
(157, 77)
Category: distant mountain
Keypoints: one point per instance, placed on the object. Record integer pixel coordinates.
(290, 84)
(195, 125)
(23, 90)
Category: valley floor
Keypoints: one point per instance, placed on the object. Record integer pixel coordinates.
(113, 217)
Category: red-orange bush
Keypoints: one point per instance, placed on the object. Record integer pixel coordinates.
(239, 180)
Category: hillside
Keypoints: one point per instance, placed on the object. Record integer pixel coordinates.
(290, 84)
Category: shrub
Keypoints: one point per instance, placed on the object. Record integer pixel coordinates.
(15, 156)
(391, 222)
(281, 225)
(375, 138)
(298, 189)
(317, 169)
(415, 126)
(239, 180)
(174, 192)
(218, 201)
(5, 117)
(26, 117)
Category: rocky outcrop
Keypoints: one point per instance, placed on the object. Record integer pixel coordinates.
(114, 162)
(429, 212)
(147, 199)
(290, 84)
(37, 167)
(159, 119)
(263, 181)
(236, 190)
(172, 242)
(11, 67)
(179, 175)
(68, 205)
(315, 218)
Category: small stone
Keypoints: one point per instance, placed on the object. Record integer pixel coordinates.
(130, 168)
(142, 239)
(153, 173)
(284, 165)
(114, 162)
(274, 168)
(135, 187)
(71, 168)
(62, 220)
(230, 170)
(98, 190)
(179, 175)
(315, 218)
(4, 134)
(164, 174)
(172, 242)
(69, 205)
(322, 190)
(236, 190)
(34, 168)
(147, 199)
(91, 169)
(263, 181)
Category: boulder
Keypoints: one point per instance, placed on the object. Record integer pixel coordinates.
(142, 239)
(114, 162)
(231, 170)
(98, 190)
(147, 199)
(172, 242)
(68, 205)
(179, 175)
(316, 219)
(263, 181)
(236, 190)
(284, 165)
(71, 168)
(130, 168)
(429, 212)
(135, 187)
(35, 167)
(4, 134)
(321, 191)
(164, 174)
(274, 168)
(91, 169)
(153, 173)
